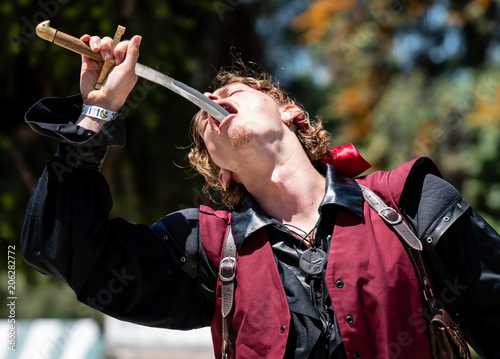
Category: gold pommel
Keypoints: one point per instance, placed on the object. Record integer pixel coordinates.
(44, 31)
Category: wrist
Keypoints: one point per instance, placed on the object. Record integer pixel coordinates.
(106, 106)
(90, 123)
(94, 117)
(100, 113)
(107, 102)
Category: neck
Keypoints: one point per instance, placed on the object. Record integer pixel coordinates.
(289, 189)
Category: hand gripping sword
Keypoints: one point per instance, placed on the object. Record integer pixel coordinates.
(48, 33)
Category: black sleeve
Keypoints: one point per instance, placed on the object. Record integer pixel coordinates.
(56, 117)
(466, 263)
(463, 253)
(153, 275)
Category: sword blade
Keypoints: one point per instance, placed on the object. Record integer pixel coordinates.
(189, 93)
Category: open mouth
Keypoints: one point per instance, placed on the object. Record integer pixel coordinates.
(216, 125)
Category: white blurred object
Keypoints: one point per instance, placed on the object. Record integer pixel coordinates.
(53, 339)
(130, 341)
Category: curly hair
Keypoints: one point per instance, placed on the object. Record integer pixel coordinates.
(314, 138)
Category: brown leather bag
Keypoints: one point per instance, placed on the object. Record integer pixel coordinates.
(447, 340)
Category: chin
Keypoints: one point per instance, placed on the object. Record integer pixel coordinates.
(240, 136)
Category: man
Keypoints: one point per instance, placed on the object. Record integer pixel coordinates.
(292, 204)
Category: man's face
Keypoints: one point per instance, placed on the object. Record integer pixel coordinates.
(254, 120)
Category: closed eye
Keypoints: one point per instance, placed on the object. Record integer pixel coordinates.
(232, 93)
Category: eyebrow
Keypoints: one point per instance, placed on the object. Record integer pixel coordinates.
(224, 91)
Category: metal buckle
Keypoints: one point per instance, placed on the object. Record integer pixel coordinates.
(390, 215)
(232, 268)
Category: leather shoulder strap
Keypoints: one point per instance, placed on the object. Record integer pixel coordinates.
(227, 275)
(410, 242)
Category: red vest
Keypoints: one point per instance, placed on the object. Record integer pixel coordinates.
(373, 287)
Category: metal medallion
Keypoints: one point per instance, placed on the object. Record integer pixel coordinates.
(312, 261)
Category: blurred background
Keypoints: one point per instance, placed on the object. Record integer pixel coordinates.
(399, 79)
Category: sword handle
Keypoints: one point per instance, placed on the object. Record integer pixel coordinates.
(69, 42)
(109, 64)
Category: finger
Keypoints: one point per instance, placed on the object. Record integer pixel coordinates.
(87, 62)
(95, 43)
(106, 48)
(132, 51)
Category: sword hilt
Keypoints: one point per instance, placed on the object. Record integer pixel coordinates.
(69, 42)
(44, 31)
(109, 64)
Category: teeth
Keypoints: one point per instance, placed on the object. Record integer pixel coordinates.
(229, 108)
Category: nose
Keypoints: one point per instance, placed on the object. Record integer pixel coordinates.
(211, 96)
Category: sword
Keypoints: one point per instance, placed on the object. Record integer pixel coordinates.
(74, 44)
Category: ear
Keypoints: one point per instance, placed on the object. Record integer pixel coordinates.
(225, 178)
(289, 113)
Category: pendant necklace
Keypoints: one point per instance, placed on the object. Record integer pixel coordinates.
(312, 260)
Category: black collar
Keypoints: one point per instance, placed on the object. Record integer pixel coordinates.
(340, 191)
